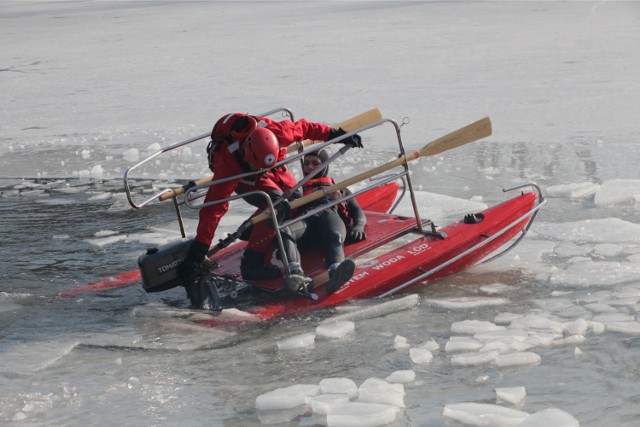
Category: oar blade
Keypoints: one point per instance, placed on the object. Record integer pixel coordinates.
(455, 139)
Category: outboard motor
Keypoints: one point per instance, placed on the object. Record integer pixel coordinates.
(159, 266)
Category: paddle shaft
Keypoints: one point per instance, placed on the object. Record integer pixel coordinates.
(348, 125)
(462, 136)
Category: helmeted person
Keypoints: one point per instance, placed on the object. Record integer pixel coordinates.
(333, 226)
(242, 143)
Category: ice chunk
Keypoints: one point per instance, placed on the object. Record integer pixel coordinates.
(430, 345)
(361, 414)
(378, 310)
(287, 397)
(324, 403)
(96, 171)
(579, 190)
(570, 340)
(420, 355)
(505, 318)
(617, 191)
(466, 344)
(298, 341)
(596, 273)
(534, 322)
(484, 414)
(608, 249)
(495, 288)
(630, 328)
(338, 329)
(24, 358)
(400, 343)
(512, 395)
(510, 360)
(601, 230)
(131, 155)
(402, 376)
(470, 327)
(339, 386)
(475, 358)
(376, 390)
(570, 249)
(467, 302)
(577, 327)
(550, 417)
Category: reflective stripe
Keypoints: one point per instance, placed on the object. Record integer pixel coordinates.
(228, 117)
(233, 147)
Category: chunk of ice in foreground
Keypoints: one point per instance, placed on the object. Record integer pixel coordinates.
(473, 359)
(510, 360)
(400, 342)
(484, 414)
(578, 190)
(339, 386)
(325, 403)
(512, 395)
(420, 355)
(376, 390)
(465, 343)
(299, 341)
(402, 376)
(361, 414)
(470, 327)
(616, 191)
(338, 329)
(552, 417)
(287, 397)
(367, 312)
(464, 303)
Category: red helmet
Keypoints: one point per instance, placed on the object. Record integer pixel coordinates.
(261, 148)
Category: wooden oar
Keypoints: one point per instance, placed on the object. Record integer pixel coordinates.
(462, 136)
(349, 125)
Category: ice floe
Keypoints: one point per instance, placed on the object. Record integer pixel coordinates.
(461, 303)
(511, 395)
(484, 414)
(334, 402)
(579, 190)
(420, 355)
(402, 376)
(298, 341)
(337, 329)
(618, 191)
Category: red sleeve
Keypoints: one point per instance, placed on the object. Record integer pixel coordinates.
(224, 166)
(289, 132)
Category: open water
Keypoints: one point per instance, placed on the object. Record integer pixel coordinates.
(92, 86)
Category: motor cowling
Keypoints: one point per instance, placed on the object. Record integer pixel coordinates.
(159, 266)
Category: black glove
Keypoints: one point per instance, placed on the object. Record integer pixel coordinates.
(192, 265)
(354, 140)
(356, 233)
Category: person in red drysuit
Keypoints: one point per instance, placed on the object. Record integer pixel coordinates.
(243, 143)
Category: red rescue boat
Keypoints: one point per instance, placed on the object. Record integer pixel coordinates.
(399, 252)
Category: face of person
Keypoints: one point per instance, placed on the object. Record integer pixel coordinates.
(310, 162)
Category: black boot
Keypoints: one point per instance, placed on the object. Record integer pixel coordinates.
(252, 266)
(339, 274)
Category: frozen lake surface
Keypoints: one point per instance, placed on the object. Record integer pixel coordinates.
(547, 335)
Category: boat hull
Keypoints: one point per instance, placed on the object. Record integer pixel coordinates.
(424, 257)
